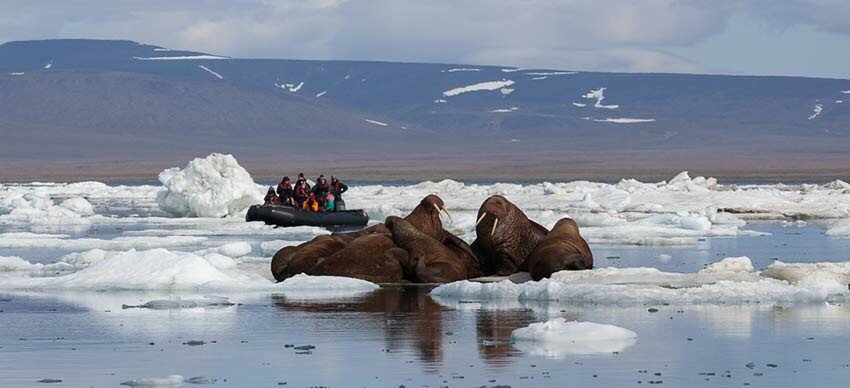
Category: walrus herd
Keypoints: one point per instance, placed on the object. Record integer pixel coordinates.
(417, 249)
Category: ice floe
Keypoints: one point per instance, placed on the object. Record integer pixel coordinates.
(482, 86)
(166, 270)
(558, 337)
(730, 281)
(623, 120)
(840, 228)
(207, 69)
(599, 95)
(215, 186)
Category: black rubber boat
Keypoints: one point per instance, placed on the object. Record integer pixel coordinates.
(290, 216)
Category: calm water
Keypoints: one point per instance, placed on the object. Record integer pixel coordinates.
(402, 337)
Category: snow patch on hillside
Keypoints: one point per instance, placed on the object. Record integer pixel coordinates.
(816, 112)
(17, 73)
(623, 120)
(482, 86)
(506, 91)
(845, 91)
(580, 105)
(376, 122)
(207, 69)
(459, 69)
(440, 101)
(546, 73)
(505, 110)
(322, 93)
(180, 58)
(599, 96)
(48, 65)
(294, 88)
(539, 78)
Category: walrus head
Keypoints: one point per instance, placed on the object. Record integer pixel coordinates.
(505, 235)
(426, 216)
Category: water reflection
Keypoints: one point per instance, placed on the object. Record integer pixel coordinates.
(410, 319)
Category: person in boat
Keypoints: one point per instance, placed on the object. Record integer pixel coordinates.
(337, 188)
(271, 198)
(311, 204)
(285, 192)
(321, 189)
(301, 193)
(302, 179)
(329, 203)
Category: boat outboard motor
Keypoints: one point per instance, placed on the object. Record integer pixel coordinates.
(339, 205)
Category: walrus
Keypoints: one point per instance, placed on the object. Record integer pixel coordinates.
(363, 258)
(291, 261)
(562, 249)
(426, 217)
(504, 236)
(348, 237)
(423, 258)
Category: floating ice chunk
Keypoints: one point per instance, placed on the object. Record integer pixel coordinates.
(839, 229)
(271, 247)
(302, 282)
(180, 303)
(14, 263)
(167, 381)
(599, 95)
(818, 109)
(234, 250)
(207, 69)
(78, 205)
(624, 120)
(732, 281)
(483, 86)
(215, 186)
(376, 122)
(558, 337)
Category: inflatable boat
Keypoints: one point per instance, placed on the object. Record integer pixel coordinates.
(290, 216)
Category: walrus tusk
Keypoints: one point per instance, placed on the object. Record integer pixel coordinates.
(448, 215)
(493, 231)
(480, 218)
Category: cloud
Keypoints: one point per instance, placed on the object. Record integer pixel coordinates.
(609, 35)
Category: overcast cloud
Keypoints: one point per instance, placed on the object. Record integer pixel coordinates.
(611, 35)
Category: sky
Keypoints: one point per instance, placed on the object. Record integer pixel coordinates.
(762, 37)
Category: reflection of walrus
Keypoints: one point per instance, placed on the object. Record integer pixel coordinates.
(505, 236)
(363, 258)
(562, 249)
(425, 259)
(291, 261)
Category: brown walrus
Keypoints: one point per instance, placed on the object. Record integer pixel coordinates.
(426, 260)
(562, 249)
(426, 217)
(291, 261)
(505, 236)
(364, 258)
